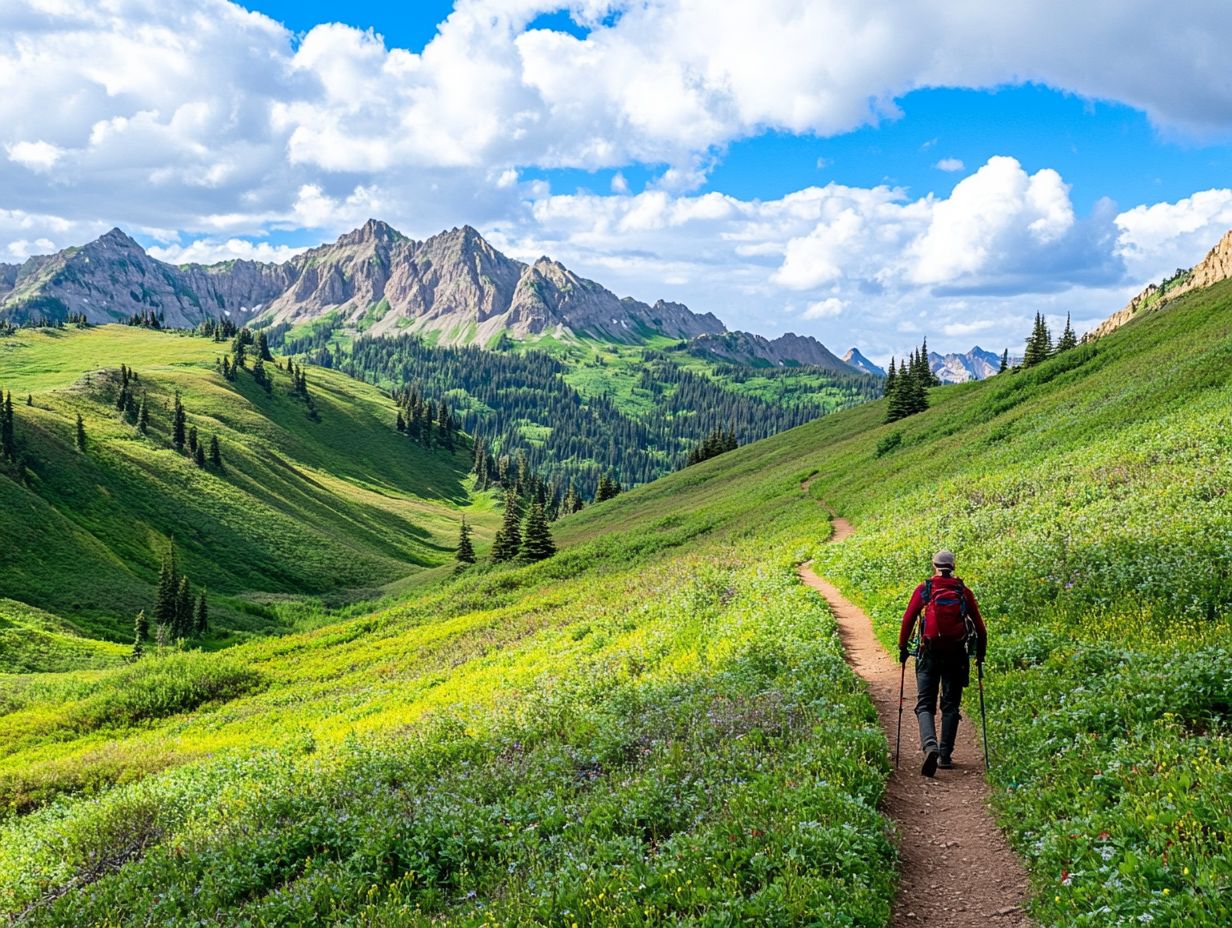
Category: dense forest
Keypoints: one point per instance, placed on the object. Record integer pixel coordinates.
(520, 400)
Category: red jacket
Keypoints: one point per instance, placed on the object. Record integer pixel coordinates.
(916, 606)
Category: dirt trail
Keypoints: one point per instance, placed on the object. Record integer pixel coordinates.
(956, 869)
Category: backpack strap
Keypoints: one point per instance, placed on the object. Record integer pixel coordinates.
(925, 597)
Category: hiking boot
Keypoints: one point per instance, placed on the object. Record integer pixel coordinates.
(930, 764)
(945, 763)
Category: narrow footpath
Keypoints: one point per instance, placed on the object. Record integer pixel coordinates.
(957, 871)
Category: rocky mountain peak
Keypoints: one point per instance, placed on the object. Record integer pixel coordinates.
(374, 231)
(857, 360)
(117, 238)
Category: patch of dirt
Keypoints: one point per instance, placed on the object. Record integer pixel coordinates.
(957, 870)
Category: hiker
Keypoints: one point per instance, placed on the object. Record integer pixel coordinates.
(951, 629)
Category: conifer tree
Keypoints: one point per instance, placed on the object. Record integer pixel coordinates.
(141, 627)
(29, 399)
(192, 440)
(215, 453)
(400, 425)
(258, 372)
(1068, 339)
(572, 502)
(168, 588)
(466, 551)
(178, 421)
(263, 352)
(201, 619)
(199, 456)
(183, 622)
(508, 540)
(537, 544)
(1039, 345)
(143, 416)
(8, 446)
(81, 434)
(1005, 362)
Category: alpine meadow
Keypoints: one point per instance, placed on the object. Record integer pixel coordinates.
(530, 559)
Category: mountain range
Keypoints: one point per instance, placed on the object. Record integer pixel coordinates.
(975, 364)
(454, 287)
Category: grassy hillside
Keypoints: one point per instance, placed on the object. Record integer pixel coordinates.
(655, 727)
(301, 506)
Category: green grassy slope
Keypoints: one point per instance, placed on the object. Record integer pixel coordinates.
(655, 726)
(301, 507)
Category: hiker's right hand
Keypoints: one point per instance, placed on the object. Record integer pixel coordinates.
(902, 655)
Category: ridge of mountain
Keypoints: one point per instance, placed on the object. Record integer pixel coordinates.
(789, 350)
(454, 285)
(1216, 266)
(975, 364)
(854, 358)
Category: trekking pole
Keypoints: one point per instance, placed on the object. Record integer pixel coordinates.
(898, 739)
(983, 714)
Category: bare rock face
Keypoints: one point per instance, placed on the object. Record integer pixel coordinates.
(374, 280)
(1216, 266)
(855, 359)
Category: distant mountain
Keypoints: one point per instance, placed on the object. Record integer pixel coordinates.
(1216, 266)
(788, 350)
(454, 285)
(976, 364)
(853, 358)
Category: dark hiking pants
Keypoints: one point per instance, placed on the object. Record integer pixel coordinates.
(949, 671)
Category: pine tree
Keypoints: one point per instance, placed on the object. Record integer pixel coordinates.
(572, 502)
(199, 456)
(141, 628)
(1005, 362)
(1068, 339)
(466, 551)
(263, 352)
(168, 587)
(178, 420)
(215, 453)
(182, 624)
(192, 440)
(8, 446)
(258, 373)
(143, 416)
(201, 620)
(508, 540)
(81, 434)
(1039, 345)
(537, 544)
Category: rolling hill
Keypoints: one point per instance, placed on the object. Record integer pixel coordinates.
(656, 725)
(305, 503)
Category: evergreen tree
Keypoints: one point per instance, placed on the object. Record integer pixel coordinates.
(537, 544)
(81, 434)
(258, 372)
(199, 456)
(8, 446)
(508, 540)
(215, 453)
(573, 502)
(263, 352)
(239, 355)
(141, 628)
(182, 624)
(1005, 362)
(29, 399)
(201, 620)
(466, 551)
(192, 440)
(168, 587)
(1068, 339)
(400, 425)
(178, 421)
(143, 416)
(1039, 345)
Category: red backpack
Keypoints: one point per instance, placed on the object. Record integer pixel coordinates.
(945, 611)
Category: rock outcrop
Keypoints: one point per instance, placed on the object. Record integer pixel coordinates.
(855, 359)
(1216, 266)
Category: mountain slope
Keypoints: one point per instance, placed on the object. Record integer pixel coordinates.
(302, 506)
(655, 725)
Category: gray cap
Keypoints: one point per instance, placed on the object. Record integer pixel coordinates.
(943, 558)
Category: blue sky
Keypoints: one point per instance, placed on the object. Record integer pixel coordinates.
(857, 170)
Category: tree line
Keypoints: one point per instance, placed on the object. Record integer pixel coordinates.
(520, 401)
(178, 614)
